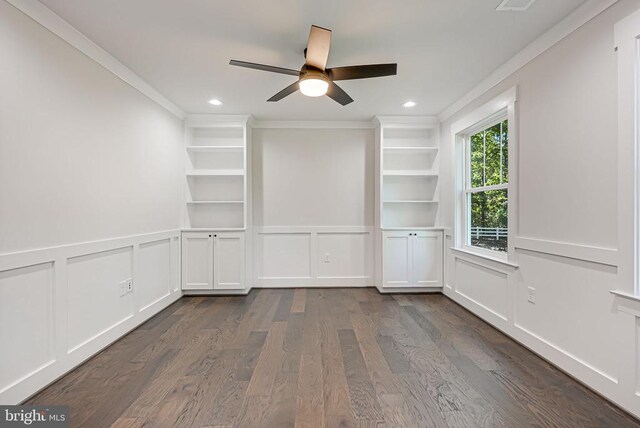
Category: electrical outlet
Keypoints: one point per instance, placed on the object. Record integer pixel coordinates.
(126, 286)
(531, 297)
(327, 258)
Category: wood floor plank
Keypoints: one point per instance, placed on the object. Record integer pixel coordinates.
(310, 401)
(269, 361)
(292, 345)
(299, 300)
(284, 306)
(364, 400)
(282, 402)
(249, 356)
(129, 423)
(323, 357)
(396, 411)
(379, 370)
(337, 403)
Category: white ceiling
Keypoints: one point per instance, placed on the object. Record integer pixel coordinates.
(182, 48)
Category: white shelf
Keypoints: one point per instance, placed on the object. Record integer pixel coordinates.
(215, 202)
(213, 229)
(207, 149)
(411, 149)
(410, 172)
(410, 202)
(215, 172)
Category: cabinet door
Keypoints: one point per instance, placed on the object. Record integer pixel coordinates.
(397, 259)
(229, 256)
(427, 259)
(197, 261)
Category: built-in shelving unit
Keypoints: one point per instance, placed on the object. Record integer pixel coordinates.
(408, 165)
(216, 174)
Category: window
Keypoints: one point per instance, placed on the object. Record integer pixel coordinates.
(486, 182)
(486, 157)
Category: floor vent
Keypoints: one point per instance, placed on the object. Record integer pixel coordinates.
(514, 5)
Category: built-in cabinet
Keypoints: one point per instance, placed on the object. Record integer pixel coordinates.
(216, 236)
(217, 240)
(213, 261)
(408, 239)
(412, 259)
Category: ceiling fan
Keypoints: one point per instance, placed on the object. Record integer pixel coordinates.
(314, 79)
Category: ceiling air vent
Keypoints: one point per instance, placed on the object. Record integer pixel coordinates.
(514, 5)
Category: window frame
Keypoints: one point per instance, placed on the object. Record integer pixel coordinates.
(468, 190)
(495, 111)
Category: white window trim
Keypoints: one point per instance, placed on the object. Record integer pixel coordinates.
(500, 108)
(627, 44)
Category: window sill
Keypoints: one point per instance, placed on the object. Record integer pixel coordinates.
(625, 295)
(485, 257)
(627, 303)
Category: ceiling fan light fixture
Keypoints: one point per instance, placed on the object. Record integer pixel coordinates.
(316, 86)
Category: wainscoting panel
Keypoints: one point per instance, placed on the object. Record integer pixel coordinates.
(571, 320)
(26, 322)
(344, 255)
(61, 305)
(485, 286)
(95, 304)
(284, 255)
(572, 308)
(155, 274)
(309, 257)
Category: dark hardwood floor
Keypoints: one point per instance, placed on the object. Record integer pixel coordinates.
(323, 357)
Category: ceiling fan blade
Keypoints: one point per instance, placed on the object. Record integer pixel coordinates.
(362, 71)
(318, 47)
(338, 94)
(263, 67)
(285, 92)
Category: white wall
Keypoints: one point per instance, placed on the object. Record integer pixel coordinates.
(567, 215)
(83, 157)
(313, 192)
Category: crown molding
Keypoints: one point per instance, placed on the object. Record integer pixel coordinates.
(583, 14)
(311, 124)
(216, 120)
(61, 28)
(407, 121)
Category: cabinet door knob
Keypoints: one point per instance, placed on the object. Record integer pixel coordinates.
(209, 236)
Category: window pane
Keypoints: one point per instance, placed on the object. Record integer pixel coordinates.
(489, 220)
(477, 159)
(489, 156)
(505, 151)
(492, 158)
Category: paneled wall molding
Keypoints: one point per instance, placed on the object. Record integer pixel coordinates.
(320, 256)
(600, 255)
(43, 255)
(568, 25)
(69, 298)
(61, 28)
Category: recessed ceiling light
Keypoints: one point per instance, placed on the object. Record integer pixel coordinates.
(409, 104)
(514, 5)
(215, 102)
